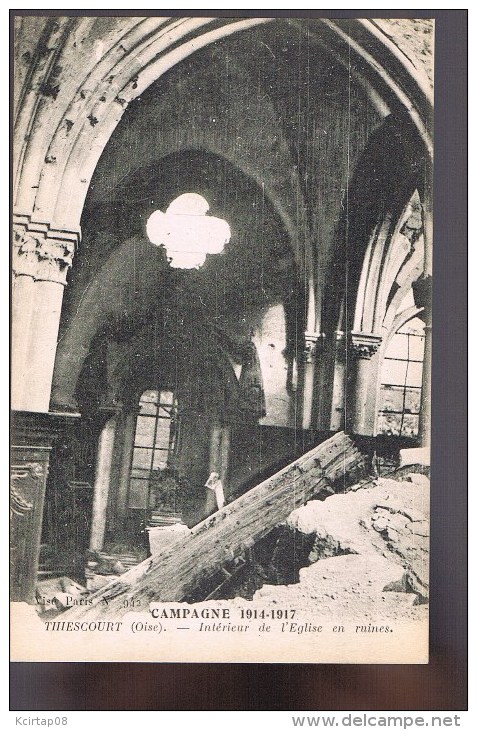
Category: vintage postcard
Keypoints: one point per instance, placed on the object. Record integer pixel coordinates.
(221, 338)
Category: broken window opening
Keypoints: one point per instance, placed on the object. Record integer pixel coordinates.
(153, 486)
(401, 381)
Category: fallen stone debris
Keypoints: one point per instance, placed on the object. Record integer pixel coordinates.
(362, 553)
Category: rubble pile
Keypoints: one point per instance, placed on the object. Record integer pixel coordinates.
(389, 518)
(359, 553)
(362, 552)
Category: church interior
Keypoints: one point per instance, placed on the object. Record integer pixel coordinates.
(284, 297)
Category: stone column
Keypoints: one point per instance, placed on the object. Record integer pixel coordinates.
(364, 388)
(127, 443)
(219, 458)
(324, 381)
(42, 257)
(214, 465)
(225, 455)
(425, 411)
(422, 289)
(313, 345)
(101, 482)
(32, 439)
(339, 405)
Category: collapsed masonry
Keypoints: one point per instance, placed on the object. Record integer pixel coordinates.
(295, 539)
(378, 529)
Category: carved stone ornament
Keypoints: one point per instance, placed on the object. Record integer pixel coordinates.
(364, 345)
(41, 257)
(31, 469)
(19, 505)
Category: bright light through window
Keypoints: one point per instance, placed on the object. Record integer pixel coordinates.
(187, 232)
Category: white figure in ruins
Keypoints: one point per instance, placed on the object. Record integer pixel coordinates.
(214, 483)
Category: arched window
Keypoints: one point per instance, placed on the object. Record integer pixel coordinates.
(401, 381)
(151, 483)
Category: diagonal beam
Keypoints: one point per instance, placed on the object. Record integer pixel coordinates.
(176, 572)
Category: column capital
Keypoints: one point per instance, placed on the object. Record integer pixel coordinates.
(108, 410)
(313, 342)
(365, 344)
(341, 342)
(41, 250)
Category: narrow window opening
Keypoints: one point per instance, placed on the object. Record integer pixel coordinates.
(401, 382)
(153, 486)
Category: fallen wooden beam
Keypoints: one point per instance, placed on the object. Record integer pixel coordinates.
(176, 572)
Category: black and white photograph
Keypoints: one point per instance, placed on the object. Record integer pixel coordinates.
(221, 338)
